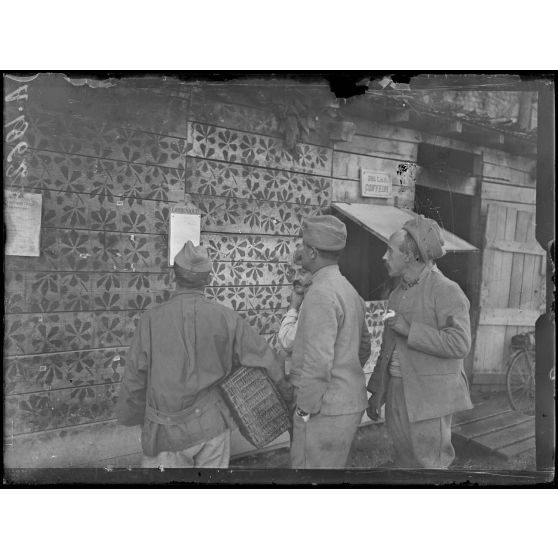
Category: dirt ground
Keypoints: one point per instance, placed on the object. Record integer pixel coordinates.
(372, 449)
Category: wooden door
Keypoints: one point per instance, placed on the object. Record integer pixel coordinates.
(512, 288)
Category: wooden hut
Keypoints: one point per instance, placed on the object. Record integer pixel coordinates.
(111, 159)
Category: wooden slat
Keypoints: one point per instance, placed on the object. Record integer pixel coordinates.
(253, 248)
(491, 424)
(29, 334)
(211, 142)
(502, 295)
(47, 410)
(55, 132)
(248, 182)
(229, 215)
(516, 247)
(519, 448)
(508, 317)
(505, 159)
(490, 339)
(528, 298)
(480, 412)
(378, 147)
(106, 178)
(500, 192)
(255, 286)
(348, 165)
(508, 175)
(447, 181)
(33, 373)
(349, 191)
(131, 107)
(230, 115)
(511, 435)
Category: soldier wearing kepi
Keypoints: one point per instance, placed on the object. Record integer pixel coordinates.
(331, 346)
(180, 351)
(419, 373)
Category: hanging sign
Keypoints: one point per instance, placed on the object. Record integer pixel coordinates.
(184, 225)
(375, 184)
(22, 216)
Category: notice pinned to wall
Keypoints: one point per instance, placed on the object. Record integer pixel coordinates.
(184, 225)
(22, 216)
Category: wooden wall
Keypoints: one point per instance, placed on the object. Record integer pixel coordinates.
(512, 293)
(109, 163)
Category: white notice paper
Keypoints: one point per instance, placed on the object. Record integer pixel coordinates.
(185, 224)
(22, 215)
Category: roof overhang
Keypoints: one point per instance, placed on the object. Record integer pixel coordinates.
(383, 220)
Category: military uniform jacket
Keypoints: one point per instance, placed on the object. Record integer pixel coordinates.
(179, 353)
(331, 346)
(431, 357)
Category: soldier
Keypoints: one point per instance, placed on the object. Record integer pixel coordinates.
(419, 373)
(331, 346)
(180, 351)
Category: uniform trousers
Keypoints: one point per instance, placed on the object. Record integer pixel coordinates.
(422, 444)
(324, 441)
(214, 453)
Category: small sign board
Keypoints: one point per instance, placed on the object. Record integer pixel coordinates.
(22, 216)
(184, 225)
(375, 184)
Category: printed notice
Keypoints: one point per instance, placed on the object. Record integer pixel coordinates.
(22, 216)
(185, 224)
(375, 184)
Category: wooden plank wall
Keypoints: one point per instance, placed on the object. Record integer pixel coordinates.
(110, 162)
(513, 273)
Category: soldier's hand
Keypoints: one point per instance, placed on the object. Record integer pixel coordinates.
(296, 298)
(374, 408)
(399, 324)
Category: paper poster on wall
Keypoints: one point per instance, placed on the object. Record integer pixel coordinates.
(184, 225)
(22, 216)
(375, 184)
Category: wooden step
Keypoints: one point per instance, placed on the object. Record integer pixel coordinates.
(513, 434)
(518, 448)
(479, 412)
(490, 424)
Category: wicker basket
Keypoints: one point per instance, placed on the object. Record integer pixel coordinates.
(256, 405)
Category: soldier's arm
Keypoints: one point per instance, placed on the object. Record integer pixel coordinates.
(130, 408)
(452, 339)
(317, 331)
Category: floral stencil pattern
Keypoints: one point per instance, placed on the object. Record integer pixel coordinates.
(233, 116)
(238, 181)
(211, 142)
(374, 311)
(98, 139)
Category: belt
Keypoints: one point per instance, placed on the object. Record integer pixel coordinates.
(179, 417)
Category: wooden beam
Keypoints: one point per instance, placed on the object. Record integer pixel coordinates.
(508, 317)
(501, 192)
(516, 247)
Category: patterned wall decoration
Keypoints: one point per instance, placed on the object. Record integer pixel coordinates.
(242, 181)
(375, 309)
(104, 178)
(211, 142)
(227, 115)
(109, 163)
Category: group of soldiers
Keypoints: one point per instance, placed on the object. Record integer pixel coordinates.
(184, 347)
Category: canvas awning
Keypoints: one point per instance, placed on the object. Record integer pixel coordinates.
(383, 220)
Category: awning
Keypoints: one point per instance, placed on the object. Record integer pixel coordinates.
(383, 220)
